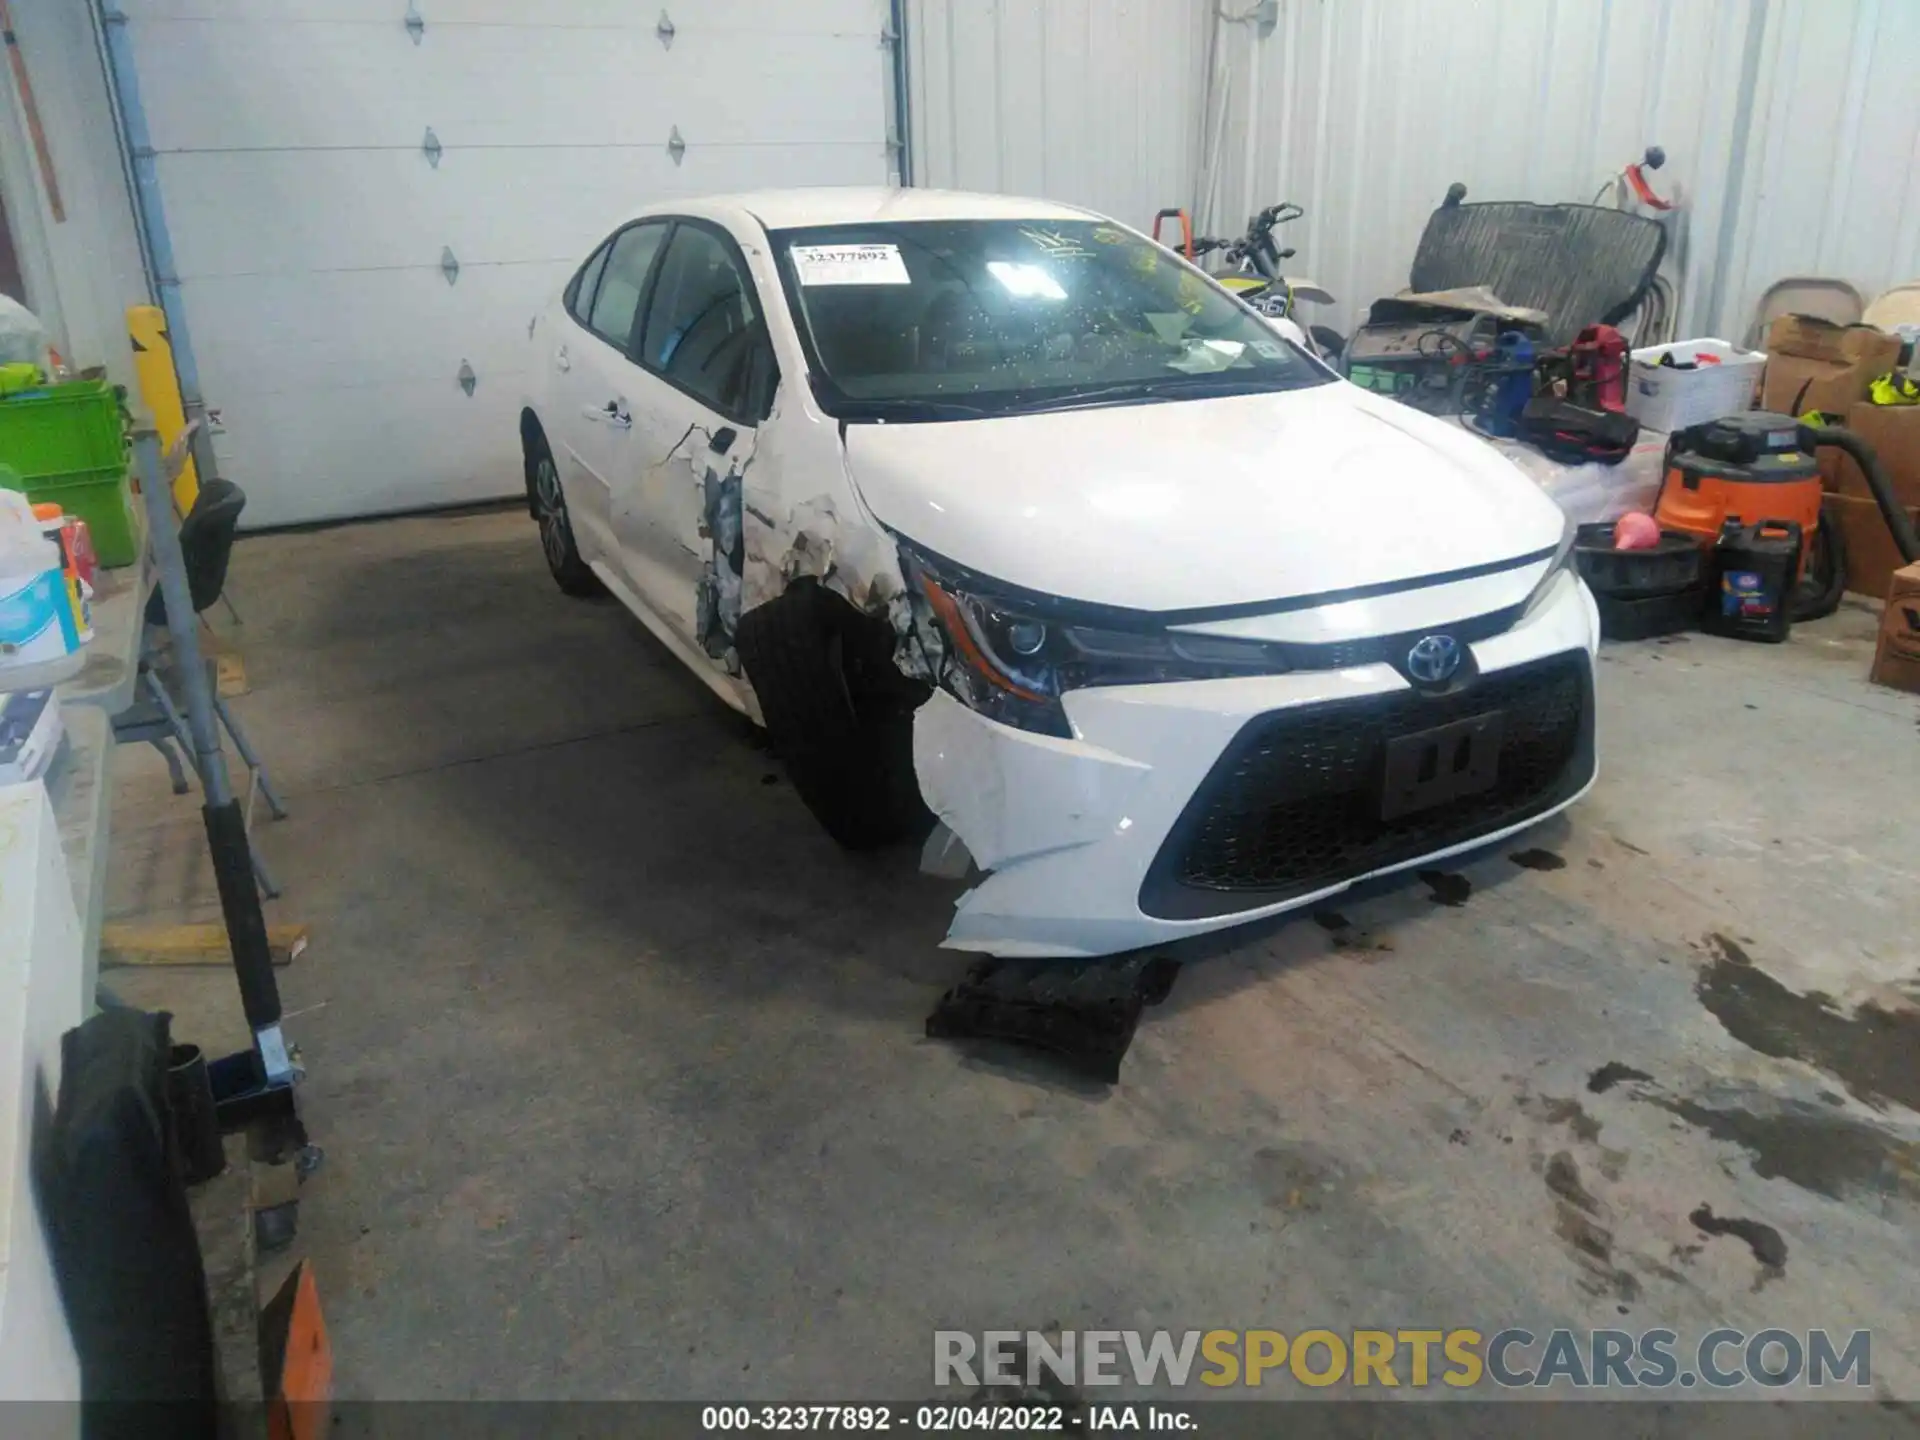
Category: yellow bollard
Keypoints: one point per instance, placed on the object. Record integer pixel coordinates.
(160, 390)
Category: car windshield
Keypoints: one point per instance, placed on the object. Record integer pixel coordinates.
(954, 319)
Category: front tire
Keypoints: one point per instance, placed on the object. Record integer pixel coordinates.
(839, 714)
(571, 573)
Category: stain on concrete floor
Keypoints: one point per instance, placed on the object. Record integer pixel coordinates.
(1765, 1242)
(1570, 1113)
(1813, 1147)
(1611, 1074)
(1537, 859)
(1446, 887)
(1873, 1052)
(1577, 1221)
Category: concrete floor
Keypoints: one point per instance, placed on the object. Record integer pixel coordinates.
(618, 1061)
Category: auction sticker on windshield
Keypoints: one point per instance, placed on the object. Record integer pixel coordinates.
(849, 265)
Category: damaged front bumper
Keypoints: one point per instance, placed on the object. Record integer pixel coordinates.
(1124, 835)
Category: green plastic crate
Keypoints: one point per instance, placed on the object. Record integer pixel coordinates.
(62, 430)
(98, 497)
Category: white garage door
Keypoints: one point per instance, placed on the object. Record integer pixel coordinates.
(310, 224)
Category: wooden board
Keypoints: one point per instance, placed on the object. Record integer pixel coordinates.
(189, 944)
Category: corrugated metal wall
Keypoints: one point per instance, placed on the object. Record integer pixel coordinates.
(1365, 111)
(1833, 182)
(1790, 125)
(1092, 102)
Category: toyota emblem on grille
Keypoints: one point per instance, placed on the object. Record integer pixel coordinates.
(1433, 658)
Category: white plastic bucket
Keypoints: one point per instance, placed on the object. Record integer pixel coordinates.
(1663, 398)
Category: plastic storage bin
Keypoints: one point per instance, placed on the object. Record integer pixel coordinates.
(1677, 563)
(62, 430)
(1642, 593)
(98, 497)
(1663, 398)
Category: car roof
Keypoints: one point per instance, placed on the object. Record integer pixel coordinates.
(867, 204)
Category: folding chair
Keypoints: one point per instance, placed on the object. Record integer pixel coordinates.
(154, 717)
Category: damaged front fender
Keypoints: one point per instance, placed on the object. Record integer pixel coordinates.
(827, 538)
(810, 540)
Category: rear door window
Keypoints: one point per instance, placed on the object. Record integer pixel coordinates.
(580, 292)
(616, 300)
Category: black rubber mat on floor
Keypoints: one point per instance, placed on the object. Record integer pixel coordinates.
(1084, 1012)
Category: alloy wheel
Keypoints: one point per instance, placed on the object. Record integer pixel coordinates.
(552, 507)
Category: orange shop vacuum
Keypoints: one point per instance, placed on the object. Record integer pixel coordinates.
(1757, 468)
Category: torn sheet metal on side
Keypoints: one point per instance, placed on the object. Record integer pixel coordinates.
(848, 556)
(718, 600)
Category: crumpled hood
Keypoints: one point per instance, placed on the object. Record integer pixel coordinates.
(1201, 503)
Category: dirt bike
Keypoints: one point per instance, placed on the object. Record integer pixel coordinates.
(1251, 269)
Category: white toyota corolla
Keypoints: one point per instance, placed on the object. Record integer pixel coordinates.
(993, 507)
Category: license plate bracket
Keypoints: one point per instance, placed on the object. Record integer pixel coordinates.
(1447, 762)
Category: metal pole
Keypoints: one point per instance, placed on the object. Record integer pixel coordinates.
(1710, 320)
(902, 100)
(138, 144)
(226, 824)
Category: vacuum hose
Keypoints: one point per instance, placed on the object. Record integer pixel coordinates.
(1904, 540)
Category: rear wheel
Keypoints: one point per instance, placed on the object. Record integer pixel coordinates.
(839, 714)
(571, 573)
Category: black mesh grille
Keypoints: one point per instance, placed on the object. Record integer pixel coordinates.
(1294, 803)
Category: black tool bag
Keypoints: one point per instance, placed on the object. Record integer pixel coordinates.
(1575, 435)
(122, 1239)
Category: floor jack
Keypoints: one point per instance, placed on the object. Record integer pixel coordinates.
(253, 1089)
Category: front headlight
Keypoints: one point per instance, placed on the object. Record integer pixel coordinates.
(1562, 560)
(1012, 657)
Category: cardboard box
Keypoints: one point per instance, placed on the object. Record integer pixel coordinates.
(1829, 460)
(1871, 556)
(1814, 364)
(1896, 663)
(1893, 431)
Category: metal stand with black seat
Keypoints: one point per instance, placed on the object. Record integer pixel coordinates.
(155, 718)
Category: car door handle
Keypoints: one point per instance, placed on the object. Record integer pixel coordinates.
(617, 415)
(560, 360)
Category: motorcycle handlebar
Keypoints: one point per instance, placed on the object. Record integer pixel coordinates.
(1278, 214)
